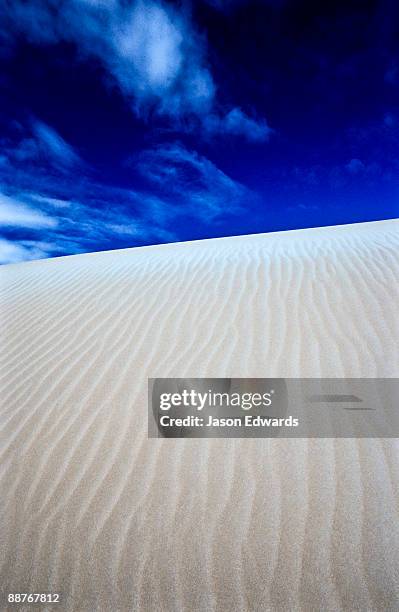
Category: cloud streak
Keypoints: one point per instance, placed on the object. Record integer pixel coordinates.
(48, 140)
(237, 123)
(40, 144)
(14, 213)
(195, 184)
(12, 251)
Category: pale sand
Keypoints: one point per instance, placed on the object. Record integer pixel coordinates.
(92, 508)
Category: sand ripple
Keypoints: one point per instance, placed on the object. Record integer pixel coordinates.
(93, 509)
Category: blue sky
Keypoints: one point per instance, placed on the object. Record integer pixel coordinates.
(125, 123)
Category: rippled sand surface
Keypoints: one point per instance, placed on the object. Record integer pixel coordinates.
(93, 509)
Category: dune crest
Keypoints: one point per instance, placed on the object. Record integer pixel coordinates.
(93, 509)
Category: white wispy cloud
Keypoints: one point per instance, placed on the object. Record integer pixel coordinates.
(236, 122)
(150, 48)
(14, 213)
(54, 202)
(12, 251)
(42, 144)
(51, 142)
(197, 186)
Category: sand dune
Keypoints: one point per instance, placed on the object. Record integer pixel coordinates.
(93, 509)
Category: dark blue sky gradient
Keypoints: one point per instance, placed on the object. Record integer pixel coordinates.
(298, 126)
